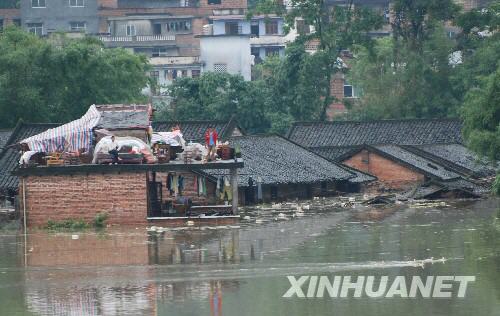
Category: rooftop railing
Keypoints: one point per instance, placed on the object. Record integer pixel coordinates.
(138, 38)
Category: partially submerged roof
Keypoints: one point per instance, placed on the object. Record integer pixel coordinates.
(400, 132)
(455, 157)
(279, 161)
(124, 116)
(195, 130)
(9, 157)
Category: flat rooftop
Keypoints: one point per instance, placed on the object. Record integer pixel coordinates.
(104, 168)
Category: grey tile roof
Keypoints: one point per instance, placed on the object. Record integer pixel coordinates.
(424, 165)
(457, 157)
(400, 132)
(4, 137)
(124, 116)
(278, 161)
(195, 130)
(333, 153)
(9, 157)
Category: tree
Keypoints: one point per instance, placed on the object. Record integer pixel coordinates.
(410, 85)
(336, 28)
(219, 96)
(45, 81)
(481, 113)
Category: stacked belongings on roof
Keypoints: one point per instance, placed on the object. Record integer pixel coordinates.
(131, 150)
(66, 143)
(166, 145)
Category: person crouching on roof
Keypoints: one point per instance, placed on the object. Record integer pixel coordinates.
(113, 150)
(211, 143)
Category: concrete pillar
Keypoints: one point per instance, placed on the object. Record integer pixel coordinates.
(234, 187)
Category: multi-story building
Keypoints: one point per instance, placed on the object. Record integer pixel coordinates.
(43, 17)
(233, 43)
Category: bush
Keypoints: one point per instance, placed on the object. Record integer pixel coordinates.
(100, 220)
(67, 224)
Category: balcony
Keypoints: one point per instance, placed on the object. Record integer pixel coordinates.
(267, 40)
(130, 41)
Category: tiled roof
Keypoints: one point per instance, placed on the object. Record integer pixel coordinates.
(195, 130)
(124, 116)
(424, 165)
(400, 132)
(333, 153)
(9, 157)
(456, 157)
(4, 137)
(278, 161)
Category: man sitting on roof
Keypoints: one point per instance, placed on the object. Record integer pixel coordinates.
(113, 150)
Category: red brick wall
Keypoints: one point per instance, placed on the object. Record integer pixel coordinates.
(388, 172)
(225, 4)
(107, 3)
(122, 196)
(337, 91)
(8, 15)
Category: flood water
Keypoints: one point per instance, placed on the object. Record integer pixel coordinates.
(241, 269)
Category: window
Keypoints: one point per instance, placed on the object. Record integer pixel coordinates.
(178, 26)
(131, 30)
(365, 157)
(195, 73)
(159, 51)
(302, 27)
(155, 76)
(17, 22)
(254, 30)
(78, 26)
(35, 28)
(156, 29)
(232, 28)
(349, 91)
(272, 51)
(214, 1)
(38, 3)
(220, 67)
(272, 27)
(1, 25)
(77, 3)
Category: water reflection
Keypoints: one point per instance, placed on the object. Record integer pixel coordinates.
(240, 270)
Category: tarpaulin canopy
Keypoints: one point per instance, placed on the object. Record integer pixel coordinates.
(71, 136)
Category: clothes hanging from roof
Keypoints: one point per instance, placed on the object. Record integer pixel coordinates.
(180, 184)
(259, 189)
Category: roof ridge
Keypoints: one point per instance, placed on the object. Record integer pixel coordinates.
(192, 121)
(378, 121)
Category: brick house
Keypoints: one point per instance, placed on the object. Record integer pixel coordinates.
(400, 153)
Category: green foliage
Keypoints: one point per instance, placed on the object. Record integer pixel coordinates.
(218, 96)
(100, 220)
(404, 83)
(72, 224)
(68, 224)
(481, 113)
(57, 80)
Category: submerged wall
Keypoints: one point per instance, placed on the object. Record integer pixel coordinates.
(58, 197)
(389, 173)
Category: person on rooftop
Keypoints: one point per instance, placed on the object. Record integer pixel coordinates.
(211, 143)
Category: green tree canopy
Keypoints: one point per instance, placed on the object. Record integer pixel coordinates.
(56, 81)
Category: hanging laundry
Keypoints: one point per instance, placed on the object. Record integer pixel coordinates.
(181, 184)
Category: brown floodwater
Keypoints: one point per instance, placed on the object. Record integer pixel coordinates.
(242, 269)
